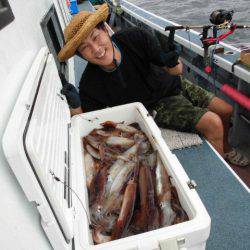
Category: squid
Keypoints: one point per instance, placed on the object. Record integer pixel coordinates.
(92, 168)
(181, 215)
(121, 126)
(147, 218)
(128, 186)
(127, 210)
(163, 192)
(100, 235)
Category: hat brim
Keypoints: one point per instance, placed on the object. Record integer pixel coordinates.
(71, 46)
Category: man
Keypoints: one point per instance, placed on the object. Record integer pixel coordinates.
(120, 70)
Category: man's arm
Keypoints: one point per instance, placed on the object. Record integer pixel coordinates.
(177, 70)
(76, 111)
(72, 96)
(154, 53)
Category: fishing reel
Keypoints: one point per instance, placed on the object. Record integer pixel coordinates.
(219, 17)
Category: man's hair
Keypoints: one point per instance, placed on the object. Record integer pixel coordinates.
(100, 25)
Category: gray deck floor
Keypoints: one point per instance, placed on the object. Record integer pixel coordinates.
(226, 201)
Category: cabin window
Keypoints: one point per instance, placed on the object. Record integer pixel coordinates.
(6, 15)
(54, 36)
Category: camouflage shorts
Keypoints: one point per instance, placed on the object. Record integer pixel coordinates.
(182, 112)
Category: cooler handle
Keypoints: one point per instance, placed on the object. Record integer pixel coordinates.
(172, 244)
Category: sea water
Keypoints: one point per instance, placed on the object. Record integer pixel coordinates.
(196, 12)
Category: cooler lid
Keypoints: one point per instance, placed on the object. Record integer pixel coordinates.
(36, 144)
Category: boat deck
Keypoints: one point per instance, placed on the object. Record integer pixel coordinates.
(225, 199)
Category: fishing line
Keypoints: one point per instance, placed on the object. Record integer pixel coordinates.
(213, 66)
(189, 39)
(214, 69)
(58, 180)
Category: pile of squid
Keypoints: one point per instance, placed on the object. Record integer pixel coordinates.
(128, 186)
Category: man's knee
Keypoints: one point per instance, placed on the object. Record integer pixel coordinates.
(210, 125)
(228, 110)
(221, 108)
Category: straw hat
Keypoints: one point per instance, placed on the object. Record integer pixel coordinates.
(79, 28)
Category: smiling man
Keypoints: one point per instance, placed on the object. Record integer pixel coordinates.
(98, 48)
(130, 66)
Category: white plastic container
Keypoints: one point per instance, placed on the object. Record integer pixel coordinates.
(41, 141)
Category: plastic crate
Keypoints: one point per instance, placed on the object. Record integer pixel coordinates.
(73, 7)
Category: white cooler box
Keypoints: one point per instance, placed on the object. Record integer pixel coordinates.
(41, 140)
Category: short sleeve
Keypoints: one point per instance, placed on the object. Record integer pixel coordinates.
(143, 43)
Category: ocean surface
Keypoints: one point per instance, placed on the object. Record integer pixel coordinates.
(196, 12)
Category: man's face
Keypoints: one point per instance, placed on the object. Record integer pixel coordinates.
(97, 48)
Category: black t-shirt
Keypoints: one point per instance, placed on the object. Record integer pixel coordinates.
(138, 78)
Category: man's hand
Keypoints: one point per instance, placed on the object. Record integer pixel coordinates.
(170, 58)
(177, 70)
(71, 93)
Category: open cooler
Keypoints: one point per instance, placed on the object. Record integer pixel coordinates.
(41, 141)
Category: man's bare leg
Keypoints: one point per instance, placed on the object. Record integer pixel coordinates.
(224, 110)
(211, 126)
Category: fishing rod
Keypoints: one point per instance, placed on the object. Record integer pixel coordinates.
(220, 19)
(189, 27)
